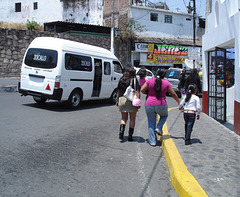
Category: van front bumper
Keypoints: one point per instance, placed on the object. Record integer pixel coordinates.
(57, 93)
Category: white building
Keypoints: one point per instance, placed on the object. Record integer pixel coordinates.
(41, 11)
(221, 66)
(168, 30)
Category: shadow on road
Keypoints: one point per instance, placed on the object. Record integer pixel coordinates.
(62, 107)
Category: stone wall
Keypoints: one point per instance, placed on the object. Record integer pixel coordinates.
(13, 44)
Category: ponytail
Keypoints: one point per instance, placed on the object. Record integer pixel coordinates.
(191, 90)
(158, 82)
(158, 86)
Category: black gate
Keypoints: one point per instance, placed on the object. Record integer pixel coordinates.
(217, 84)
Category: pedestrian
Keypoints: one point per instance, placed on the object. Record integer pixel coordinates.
(125, 106)
(142, 75)
(156, 103)
(194, 78)
(191, 105)
(182, 81)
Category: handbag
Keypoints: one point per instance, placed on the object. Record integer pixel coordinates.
(130, 94)
(136, 102)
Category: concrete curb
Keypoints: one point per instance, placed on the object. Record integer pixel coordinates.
(8, 88)
(182, 180)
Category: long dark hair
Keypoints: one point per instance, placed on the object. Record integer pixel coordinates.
(142, 72)
(128, 74)
(191, 90)
(160, 74)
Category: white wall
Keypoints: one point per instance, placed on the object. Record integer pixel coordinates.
(87, 12)
(179, 28)
(225, 34)
(47, 11)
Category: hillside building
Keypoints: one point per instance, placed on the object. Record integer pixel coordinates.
(166, 37)
(42, 11)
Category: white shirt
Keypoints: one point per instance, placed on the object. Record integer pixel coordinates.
(193, 104)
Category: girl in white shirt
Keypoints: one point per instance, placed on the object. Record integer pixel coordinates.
(191, 105)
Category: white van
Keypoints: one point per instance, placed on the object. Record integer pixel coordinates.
(69, 71)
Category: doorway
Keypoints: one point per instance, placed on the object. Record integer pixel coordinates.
(217, 84)
(97, 82)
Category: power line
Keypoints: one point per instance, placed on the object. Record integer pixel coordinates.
(185, 5)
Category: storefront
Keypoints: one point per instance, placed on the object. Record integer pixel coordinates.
(221, 52)
(220, 82)
(154, 56)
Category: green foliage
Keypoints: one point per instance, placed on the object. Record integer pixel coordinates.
(131, 26)
(32, 25)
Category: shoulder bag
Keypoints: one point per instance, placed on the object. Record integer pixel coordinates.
(130, 94)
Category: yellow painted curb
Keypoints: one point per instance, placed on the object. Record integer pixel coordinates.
(182, 180)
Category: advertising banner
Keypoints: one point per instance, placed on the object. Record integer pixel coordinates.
(166, 54)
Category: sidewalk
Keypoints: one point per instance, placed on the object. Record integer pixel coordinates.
(212, 159)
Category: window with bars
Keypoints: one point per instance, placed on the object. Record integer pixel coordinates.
(154, 17)
(18, 7)
(168, 18)
(35, 5)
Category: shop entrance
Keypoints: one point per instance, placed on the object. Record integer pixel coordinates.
(217, 84)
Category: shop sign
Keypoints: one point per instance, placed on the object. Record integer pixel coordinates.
(194, 53)
(170, 50)
(141, 47)
(165, 59)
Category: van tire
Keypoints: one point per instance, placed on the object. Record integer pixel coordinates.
(113, 98)
(74, 99)
(39, 99)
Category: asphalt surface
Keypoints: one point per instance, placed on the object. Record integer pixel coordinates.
(211, 161)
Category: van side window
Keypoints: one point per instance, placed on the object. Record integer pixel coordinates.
(117, 67)
(78, 62)
(107, 68)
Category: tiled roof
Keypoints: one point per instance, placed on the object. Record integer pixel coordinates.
(169, 41)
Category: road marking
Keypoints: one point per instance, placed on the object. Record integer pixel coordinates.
(182, 180)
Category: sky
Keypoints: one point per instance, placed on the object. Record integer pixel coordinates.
(181, 5)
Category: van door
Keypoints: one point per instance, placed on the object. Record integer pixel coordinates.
(97, 81)
(117, 72)
(107, 88)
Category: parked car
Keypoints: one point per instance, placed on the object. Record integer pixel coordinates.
(172, 75)
(149, 73)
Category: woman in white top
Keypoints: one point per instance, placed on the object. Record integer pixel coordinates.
(191, 105)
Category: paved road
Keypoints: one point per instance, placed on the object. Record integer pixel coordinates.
(48, 150)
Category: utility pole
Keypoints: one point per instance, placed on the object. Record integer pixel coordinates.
(112, 28)
(194, 27)
(194, 23)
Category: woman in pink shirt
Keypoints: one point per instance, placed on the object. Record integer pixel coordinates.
(156, 103)
(142, 76)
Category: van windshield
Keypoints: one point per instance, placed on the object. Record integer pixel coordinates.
(41, 58)
(174, 74)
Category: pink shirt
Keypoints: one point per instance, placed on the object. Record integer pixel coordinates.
(152, 100)
(142, 81)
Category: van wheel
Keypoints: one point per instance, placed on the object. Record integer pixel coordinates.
(113, 98)
(75, 99)
(39, 100)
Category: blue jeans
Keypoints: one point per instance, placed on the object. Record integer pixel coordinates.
(152, 112)
(189, 122)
